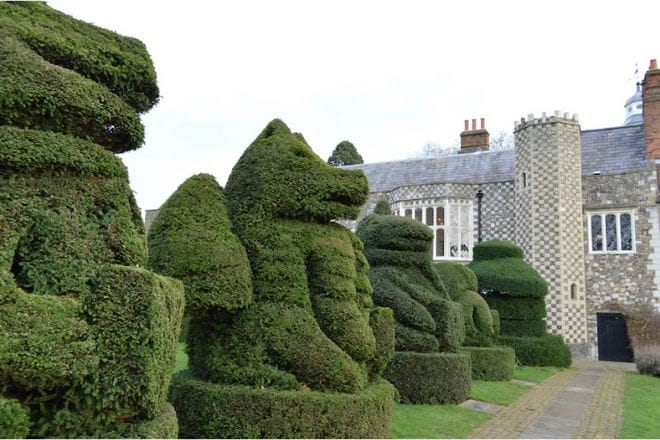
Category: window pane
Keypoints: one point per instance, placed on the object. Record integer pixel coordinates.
(440, 216)
(610, 232)
(596, 233)
(429, 216)
(465, 243)
(418, 214)
(626, 233)
(408, 213)
(453, 243)
(465, 216)
(453, 217)
(440, 242)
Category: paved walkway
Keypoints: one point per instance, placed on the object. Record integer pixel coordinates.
(584, 401)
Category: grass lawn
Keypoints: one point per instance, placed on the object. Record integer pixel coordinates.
(641, 407)
(502, 393)
(534, 374)
(181, 358)
(435, 421)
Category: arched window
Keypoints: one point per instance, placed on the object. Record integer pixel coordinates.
(573, 291)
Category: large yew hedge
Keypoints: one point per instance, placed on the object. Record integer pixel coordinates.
(87, 338)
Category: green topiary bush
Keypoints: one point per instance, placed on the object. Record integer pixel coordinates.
(383, 208)
(87, 339)
(491, 363)
(298, 352)
(207, 409)
(403, 279)
(461, 283)
(524, 327)
(436, 378)
(14, 419)
(546, 350)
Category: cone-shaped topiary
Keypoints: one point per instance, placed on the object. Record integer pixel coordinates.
(382, 208)
(191, 239)
(517, 291)
(403, 278)
(87, 339)
(345, 153)
(312, 324)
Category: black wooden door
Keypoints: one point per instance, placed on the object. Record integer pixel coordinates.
(613, 342)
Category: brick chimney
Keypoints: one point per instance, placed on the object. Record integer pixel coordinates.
(474, 139)
(651, 112)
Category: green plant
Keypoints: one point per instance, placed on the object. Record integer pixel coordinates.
(430, 377)
(382, 208)
(641, 406)
(206, 409)
(491, 363)
(534, 374)
(498, 392)
(435, 421)
(345, 153)
(14, 419)
(87, 338)
(546, 350)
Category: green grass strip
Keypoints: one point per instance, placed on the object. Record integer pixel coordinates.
(501, 393)
(435, 421)
(534, 374)
(641, 407)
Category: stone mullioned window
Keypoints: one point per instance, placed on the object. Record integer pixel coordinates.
(611, 232)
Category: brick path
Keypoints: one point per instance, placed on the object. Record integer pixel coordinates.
(582, 402)
(513, 419)
(602, 418)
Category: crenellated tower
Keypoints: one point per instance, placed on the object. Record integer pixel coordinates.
(548, 217)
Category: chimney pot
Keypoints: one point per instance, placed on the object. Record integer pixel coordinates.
(474, 140)
(483, 123)
(467, 125)
(653, 65)
(474, 124)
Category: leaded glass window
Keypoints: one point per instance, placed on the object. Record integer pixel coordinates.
(611, 232)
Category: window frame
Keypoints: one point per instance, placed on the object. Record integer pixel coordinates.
(448, 204)
(603, 214)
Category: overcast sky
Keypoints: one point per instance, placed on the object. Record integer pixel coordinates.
(388, 76)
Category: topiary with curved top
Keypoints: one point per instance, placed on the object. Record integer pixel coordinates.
(310, 336)
(517, 291)
(428, 321)
(87, 338)
(345, 153)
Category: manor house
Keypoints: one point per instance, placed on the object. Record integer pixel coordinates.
(583, 205)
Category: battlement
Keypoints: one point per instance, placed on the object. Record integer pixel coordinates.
(566, 118)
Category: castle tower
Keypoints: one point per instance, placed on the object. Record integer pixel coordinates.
(548, 219)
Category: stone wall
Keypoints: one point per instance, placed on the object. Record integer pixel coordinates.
(623, 278)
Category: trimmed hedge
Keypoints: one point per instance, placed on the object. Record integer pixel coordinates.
(345, 153)
(209, 410)
(191, 239)
(436, 378)
(382, 208)
(457, 278)
(524, 327)
(87, 339)
(403, 279)
(497, 325)
(496, 249)
(547, 350)
(14, 419)
(510, 276)
(516, 307)
(491, 363)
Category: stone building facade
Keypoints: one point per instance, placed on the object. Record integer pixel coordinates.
(583, 205)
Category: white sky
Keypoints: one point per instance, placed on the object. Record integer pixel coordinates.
(388, 76)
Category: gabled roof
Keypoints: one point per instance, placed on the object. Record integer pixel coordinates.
(609, 150)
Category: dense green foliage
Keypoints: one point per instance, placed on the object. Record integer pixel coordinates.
(641, 406)
(191, 239)
(430, 377)
(14, 419)
(543, 350)
(345, 153)
(491, 363)
(208, 410)
(87, 339)
(517, 291)
(301, 354)
(435, 421)
(461, 284)
(383, 208)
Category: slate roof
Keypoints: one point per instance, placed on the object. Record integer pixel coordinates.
(609, 150)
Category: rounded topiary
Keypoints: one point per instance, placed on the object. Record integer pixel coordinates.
(345, 153)
(383, 208)
(461, 283)
(428, 322)
(310, 343)
(517, 291)
(87, 338)
(191, 239)
(491, 363)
